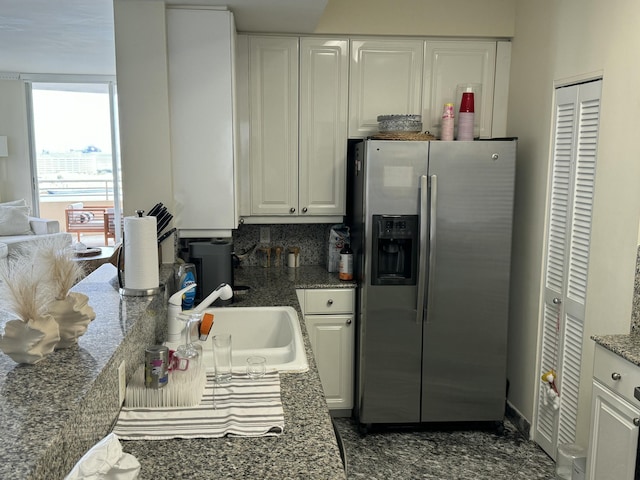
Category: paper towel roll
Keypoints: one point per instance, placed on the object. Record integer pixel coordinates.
(141, 270)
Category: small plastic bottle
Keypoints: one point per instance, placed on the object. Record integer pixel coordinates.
(346, 263)
(447, 123)
(186, 277)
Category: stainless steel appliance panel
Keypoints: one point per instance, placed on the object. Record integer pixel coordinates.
(391, 347)
(431, 347)
(389, 339)
(392, 175)
(465, 334)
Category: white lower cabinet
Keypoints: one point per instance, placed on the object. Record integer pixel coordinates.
(329, 317)
(615, 416)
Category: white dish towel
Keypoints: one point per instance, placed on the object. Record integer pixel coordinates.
(243, 407)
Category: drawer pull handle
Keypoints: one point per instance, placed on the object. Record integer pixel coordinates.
(349, 322)
(636, 422)
(616, 376)
(329, 302)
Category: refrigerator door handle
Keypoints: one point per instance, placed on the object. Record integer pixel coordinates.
(433, 188)
(423, 244)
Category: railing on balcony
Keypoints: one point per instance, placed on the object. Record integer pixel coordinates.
(69, 190)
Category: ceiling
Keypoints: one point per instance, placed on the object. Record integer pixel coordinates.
(76, 36)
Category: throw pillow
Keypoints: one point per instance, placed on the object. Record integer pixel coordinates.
(14, 203)
(14, 220)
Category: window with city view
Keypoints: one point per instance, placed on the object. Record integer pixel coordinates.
(75, 166)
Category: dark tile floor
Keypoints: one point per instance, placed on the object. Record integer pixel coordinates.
(442, 453)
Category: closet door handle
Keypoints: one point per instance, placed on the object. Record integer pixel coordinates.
(557, 301)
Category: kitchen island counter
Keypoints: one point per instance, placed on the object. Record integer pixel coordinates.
(54, 411)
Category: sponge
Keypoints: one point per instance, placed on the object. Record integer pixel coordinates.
(205, 326)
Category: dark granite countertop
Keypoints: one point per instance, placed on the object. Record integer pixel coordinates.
(306, 449)
(52, 412)
(627, 345)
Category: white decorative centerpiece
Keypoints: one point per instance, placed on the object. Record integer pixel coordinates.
(70, 310)
(36, 284)
(34, 334)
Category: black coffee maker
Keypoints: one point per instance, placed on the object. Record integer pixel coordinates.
(214, 265)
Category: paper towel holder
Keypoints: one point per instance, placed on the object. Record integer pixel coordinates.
(132, 292)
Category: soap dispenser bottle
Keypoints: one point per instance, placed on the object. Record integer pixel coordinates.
(175, 325)
(186, 276)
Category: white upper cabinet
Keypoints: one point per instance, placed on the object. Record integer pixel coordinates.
(273, 125)
(301, 98)
(200, 49)
(297, 129)
(385, 79)
(452, 63)
(324, 79)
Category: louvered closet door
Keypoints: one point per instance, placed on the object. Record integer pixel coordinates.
(577, 113)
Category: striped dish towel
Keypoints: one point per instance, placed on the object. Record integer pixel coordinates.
(243, 407)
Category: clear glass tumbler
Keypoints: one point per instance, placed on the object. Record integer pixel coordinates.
(189, 354)
(222, 357)
(256, 367)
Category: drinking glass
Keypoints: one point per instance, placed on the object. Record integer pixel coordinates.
(256, 367)
(189, 350)
(222, 357)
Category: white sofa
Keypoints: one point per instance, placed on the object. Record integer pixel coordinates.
(18, 229)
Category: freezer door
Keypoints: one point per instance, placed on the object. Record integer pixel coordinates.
(389, 333)
(390, 361)
(465, 326)
(393, 170)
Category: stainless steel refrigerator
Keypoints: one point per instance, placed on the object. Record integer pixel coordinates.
(431, 232)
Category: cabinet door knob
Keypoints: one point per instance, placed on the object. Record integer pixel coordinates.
(616, 376)
(304, 210)
(349, 322)
(292, 210)
(557, 301)
(636, 422)
(329, 302)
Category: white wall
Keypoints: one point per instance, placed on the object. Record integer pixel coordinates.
(143, 102)
(477, 18)
(530, 109)
(15, 173)
(561, 41)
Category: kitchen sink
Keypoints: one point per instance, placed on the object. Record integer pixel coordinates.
(271, 332)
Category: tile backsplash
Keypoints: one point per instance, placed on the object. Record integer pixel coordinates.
(312, 239)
